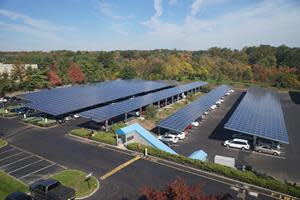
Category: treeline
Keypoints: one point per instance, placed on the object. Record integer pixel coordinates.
(272, 66)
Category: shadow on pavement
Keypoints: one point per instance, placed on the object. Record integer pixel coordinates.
(220, 133)
(295, 96)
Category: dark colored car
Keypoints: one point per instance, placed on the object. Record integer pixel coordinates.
(18, 196)
(243, 167)
(51, 189)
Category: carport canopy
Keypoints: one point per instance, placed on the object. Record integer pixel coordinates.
(260, 114)
(181, 119)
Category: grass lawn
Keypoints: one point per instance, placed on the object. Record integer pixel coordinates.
(39, 121)
(9, 185)
(76, 179)
(101, 136)
(3, 143)
(8, 114)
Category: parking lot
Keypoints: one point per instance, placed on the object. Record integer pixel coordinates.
(210, 135)
(25, 166)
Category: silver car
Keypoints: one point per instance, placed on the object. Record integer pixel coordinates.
(267, 149)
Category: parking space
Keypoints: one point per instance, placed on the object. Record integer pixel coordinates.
(25, 166)
(210, 135)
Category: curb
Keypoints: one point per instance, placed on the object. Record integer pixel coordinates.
(89, 195)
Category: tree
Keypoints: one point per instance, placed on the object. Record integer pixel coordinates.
(150, 112)
(178, 190)
(75, 74)
(53, 78)
(128, 73)
(18, 71)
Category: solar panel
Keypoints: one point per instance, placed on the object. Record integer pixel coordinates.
(107, 112)
(64, 100)
(185, 116)
(259, 114)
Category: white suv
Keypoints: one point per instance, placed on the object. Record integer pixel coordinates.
(237, 143)
(168, 138)
(180, 136)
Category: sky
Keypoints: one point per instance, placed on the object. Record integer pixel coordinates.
(147, 24)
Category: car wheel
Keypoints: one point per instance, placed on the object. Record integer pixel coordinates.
(259, 151)
(226, 145)
(275, 154)
(243, 148)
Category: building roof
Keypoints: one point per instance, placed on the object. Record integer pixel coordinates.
(146, 135)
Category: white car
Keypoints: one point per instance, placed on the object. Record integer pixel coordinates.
(218, 102)
(231, 90)
(3, 100)
(221, 100)
(196, 124)
(68, 118)
(168, 138)
(180, 136)
(206, 112)
(76, 116)
(237, 143)
(227, 94)
(213, 107)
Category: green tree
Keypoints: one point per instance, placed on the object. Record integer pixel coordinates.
(128, 73)
(151, 112)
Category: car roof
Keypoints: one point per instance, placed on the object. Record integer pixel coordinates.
(239, 140)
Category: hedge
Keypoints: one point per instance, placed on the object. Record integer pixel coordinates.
(39, 122)
(105, 137)
(243, 176)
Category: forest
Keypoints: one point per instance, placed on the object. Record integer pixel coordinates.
(265, 65)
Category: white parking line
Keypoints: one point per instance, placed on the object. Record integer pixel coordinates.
(11, 156)
(36, 171)
(9, 150)
(16, 161)
(25, 166)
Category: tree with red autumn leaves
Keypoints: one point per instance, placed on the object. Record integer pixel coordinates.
(178, 190)
(53, 78)
(75, 74)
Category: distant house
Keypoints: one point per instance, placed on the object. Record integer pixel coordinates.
(8, 67)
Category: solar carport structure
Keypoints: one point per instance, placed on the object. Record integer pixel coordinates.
(113, 110)
(259, 114)
(185, 116)
(60, 101)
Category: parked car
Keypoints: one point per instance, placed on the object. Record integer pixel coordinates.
(213, 107)
(68, 118)
(237, 143)
(51, 189)
(18, 196)
(196, 124)
(243, 167)
(180, 136)
(76, 116)
(243, 136)
(273, 144)
(206, 112)
(168, 139)
(3, 100)
(267, 149)
(227, 94)
(231, 90)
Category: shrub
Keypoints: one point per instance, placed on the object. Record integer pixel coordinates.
(244, 176)
(150, 112)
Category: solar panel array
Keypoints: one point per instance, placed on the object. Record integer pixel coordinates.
(260, 114)
(185, 116)
(107, 112)
(60, 101)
